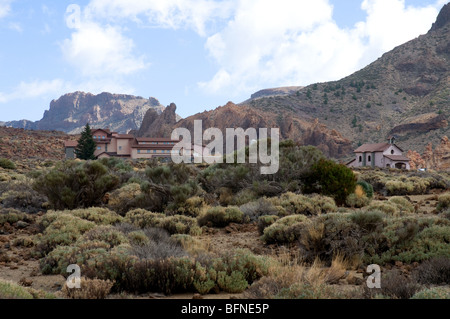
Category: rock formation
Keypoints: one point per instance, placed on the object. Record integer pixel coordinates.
(71, 112)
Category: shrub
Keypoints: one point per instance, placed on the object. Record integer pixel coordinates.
(192, 206)
(329, 235)
(7, 164)
(368, 220)
(177, 224)
(154, 250)
(304, 205)
(411, 240)
(107, 234)
(368, 189)
(221, 216)
(12, 216)
(404, 205)
(142, 218)
(388, 208)
(76, 184)
(265, 221)
(394, 285)
(262, 207)
(285, 230)
(21, 196)
(90, 289)
(100, 216)
(432, 293)
(9, 290)
(435, 271)
(62, 229)
(121, 200)
(356, 201)
(443, 202)
(331, 179)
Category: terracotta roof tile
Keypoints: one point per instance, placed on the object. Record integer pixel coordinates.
(369, 148)
(398, 158)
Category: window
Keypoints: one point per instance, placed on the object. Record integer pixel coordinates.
(392, 152)
(95, 137)
(360, 159)
(99, 147)
(120, 148)
(103, 137)
(154, 151)
(139, 151)
(370, 158)
(148, 151)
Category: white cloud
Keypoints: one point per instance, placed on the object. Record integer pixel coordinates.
(194, 14)
(291, 42)
(390, 23)
(5, 7)
(101, 51)
(34, 89)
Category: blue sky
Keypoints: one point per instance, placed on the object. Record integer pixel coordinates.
(199, 54)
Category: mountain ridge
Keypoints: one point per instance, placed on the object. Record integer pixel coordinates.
(71, 112)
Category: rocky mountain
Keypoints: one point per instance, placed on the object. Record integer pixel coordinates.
(71, 112)
(234, 116)
(405, 93)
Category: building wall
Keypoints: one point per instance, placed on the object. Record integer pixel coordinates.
(70, 152)
(123, 146)
(393, 148)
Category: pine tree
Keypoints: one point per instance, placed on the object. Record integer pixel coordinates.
(86, 145)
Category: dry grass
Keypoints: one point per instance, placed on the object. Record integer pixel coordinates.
(90, 289)
(290, 278)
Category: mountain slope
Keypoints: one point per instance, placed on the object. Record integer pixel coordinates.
(71, 112)
(406, 92)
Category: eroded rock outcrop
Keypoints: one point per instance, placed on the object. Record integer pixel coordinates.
(437, 158)
(71, 112)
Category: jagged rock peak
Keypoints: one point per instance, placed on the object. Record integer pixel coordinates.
(443, 18)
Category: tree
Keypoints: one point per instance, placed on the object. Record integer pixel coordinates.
(86, 145)
(330, 179)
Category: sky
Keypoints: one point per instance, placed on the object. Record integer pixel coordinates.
(198, 54)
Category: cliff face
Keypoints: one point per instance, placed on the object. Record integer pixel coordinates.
(71, 112)
(234, 116)
(158, 125)
(437, 158)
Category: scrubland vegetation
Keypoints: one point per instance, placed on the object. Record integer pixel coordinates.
(143, 227)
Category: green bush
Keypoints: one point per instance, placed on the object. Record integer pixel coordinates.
(388, 208)
(60, 230)
(9, 290)
(432, 293)
(411, 240)
(304, 205)
(404, 205)
(329, 235)
(331, 179)
(7, 164)
(356, 201)
(76, 184)
(176, 224)
(368, 220)
(443, 202)
(368, 189)
(221, 216)
(285, 230)
(261, 207)
(265, 221)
